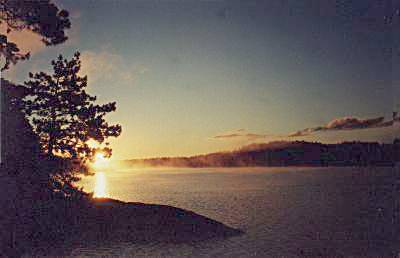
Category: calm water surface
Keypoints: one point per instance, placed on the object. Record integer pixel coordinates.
(285, 212)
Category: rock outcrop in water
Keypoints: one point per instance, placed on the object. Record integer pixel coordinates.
(139, 222)
(64, 224)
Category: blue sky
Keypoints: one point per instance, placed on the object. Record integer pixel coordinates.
(183, 72)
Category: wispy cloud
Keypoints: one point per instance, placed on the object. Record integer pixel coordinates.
(26, 40)
(240, 134)
(106, 64)
(337, 124)
(223, 136)
(348, 123)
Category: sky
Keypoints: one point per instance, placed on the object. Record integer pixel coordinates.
(193, 77)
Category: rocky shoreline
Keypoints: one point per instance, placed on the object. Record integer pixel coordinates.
(57, 226)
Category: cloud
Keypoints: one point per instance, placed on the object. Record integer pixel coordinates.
(352, 123)
(240, 134)
(26, 40)
(106, 65)
(337, 124)
(98, 65)
(222, 136)
(348, 123)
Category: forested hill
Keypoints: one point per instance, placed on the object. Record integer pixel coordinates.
(298, 153)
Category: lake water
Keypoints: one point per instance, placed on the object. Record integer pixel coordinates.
(285, 212)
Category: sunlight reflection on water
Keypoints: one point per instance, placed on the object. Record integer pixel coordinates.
(100, 187)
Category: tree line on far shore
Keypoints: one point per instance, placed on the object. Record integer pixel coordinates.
(297, 153)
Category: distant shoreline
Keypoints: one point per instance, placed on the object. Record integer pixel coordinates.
(128, 164)
(286, 154)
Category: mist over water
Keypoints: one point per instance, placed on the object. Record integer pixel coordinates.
(286, 212)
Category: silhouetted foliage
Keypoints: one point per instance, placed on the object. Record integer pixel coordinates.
(38, 16)
(66, 117)
(22, 182)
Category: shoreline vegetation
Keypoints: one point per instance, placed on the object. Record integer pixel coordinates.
(286, 153)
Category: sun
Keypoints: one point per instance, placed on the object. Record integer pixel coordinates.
(100, 157)
(92, 143)
(100, 160)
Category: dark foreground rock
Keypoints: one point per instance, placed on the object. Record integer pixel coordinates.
(139, 222)
(61, 224)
